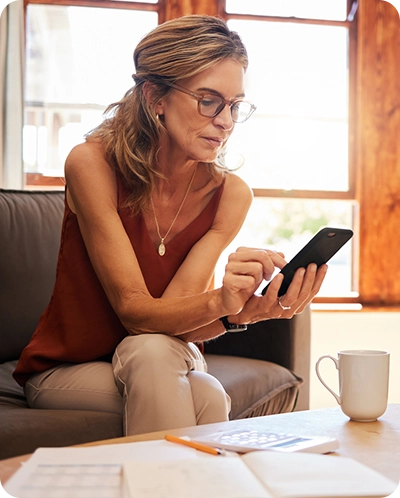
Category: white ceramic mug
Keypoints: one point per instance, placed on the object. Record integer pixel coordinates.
(363, 383)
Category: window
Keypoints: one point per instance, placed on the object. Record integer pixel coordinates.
(72, 73)
(363, 181)
(295, 149)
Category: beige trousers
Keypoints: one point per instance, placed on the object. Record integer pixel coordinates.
(156, 381)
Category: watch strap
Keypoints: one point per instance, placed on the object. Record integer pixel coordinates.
(233, 327)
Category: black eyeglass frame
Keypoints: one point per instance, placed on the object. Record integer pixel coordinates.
(199, 97)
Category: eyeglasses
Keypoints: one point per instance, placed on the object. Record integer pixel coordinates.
(210, 105)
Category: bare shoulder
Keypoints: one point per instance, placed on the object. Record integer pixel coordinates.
(86, 155)
(237, 191)
(235, 203)
(88, 175)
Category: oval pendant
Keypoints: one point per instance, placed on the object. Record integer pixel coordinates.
(161, 249)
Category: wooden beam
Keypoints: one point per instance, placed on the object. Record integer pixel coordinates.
(378, 152)
(178, 8)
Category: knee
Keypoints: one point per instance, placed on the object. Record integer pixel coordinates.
(212, 403)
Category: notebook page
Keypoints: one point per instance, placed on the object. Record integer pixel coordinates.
(215, 477)
(306, 475)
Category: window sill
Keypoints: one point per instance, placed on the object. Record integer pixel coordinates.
(344, 307)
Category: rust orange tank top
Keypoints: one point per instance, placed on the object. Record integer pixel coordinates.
(79, 324)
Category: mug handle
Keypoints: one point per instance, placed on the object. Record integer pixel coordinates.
(335, 361)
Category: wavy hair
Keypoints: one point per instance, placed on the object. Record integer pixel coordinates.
(175, 50)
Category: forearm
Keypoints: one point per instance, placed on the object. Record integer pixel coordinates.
(173, 316)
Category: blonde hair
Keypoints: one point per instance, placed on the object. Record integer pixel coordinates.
(176, 49)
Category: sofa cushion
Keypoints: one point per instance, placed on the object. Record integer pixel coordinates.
(256, 387)
(30, 228)
(24, 430)
(11, 393)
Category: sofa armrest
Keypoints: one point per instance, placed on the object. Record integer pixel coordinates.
(285, 342)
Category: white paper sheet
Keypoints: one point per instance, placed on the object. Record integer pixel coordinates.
(91, 472)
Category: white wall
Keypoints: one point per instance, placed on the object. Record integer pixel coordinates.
(334, 331)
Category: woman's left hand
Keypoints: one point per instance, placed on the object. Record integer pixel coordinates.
(305, 285)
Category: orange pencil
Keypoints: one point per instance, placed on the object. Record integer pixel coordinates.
(192, 444)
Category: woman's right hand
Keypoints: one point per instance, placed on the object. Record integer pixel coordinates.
(244, 273)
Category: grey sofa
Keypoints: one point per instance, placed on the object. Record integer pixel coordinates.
(256, 367)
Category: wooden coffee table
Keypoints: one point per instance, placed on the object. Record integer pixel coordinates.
(375, 444)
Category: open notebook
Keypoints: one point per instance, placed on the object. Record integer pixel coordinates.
(260, 474)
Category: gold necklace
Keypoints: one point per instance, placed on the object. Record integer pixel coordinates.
(161, 248)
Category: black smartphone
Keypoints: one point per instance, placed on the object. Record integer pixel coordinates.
(319, 250)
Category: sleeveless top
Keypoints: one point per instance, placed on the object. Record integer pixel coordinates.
(79, 325)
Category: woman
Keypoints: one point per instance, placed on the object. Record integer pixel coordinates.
(147, 214)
